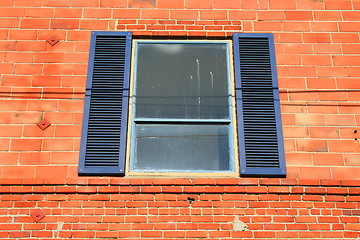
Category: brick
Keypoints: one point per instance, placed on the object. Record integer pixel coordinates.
(23, 34)
(331, 71)
(170, 4)
(34, 23)
(34, 158)
(301, 71)
(311, 145)
(36, 3)
(5, 117)
(344, 173)
(20, 81)
(298, 48)
(155, 14)
(288, 59)
(299, 158)
(11, 105)
(312, 172)
(321, 83)
(4, 144)
(49, 57)
(42, 105)
(78, 35)
(276, 4)
(337, 5)
(295, 132)
(327, 48)
(328, 159)
(97, 13)
(316, 37)
(94, 24)
(26, 93)
(310, 5)
(64, 24)
(35, 131)
(230, 4)
(267, 26)
(8, 158)
(7, 3)
(349, 133)
(26, 117)
(19, 57)
(26, 144)
(346, 60)
(198, 5)
(58, 144)
(39, 12)
(46, 81)
(79, 3)
(255, 5)
(194, 28)
(327, 15)
(155, 27)
(213, 14)
(349, 26)
(7, 68)
(174, 28)
(27, 69)
(350, 49)
(14, 172)
(350, 15)
(299, 15)
(333, 96)
(352, 159)
(324, 27)
(332, 108)
(345, 38)
(68, 13)
(276, 189)
(19, 234)
(350, 146)
(10, 23)
(126, 13)
(271, 15)
(264, 234)
(336, 120)
(58, 69)
(12, 12)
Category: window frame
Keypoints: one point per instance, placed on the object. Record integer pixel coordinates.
(232, 133)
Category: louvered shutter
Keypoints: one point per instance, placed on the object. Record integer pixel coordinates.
(103, 142)
(260, 138)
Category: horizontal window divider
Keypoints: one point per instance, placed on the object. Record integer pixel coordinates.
(182, 121)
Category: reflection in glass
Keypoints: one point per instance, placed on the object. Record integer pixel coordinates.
(182, 80)
(177, 147)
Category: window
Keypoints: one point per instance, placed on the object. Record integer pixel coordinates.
(181, 116)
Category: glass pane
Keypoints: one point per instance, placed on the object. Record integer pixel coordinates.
(172, 147)
(182, 80)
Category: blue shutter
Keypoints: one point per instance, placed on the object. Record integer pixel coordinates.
(260, 138)
(103, 142)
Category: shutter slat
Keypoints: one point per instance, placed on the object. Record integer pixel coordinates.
(260, 138)
(106, 105)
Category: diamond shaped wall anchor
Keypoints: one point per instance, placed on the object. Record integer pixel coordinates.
(43, 124)
(37, 215)
(53, 40)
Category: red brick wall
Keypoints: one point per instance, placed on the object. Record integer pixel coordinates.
(318, 58)
(180, 208)
(317, 50)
